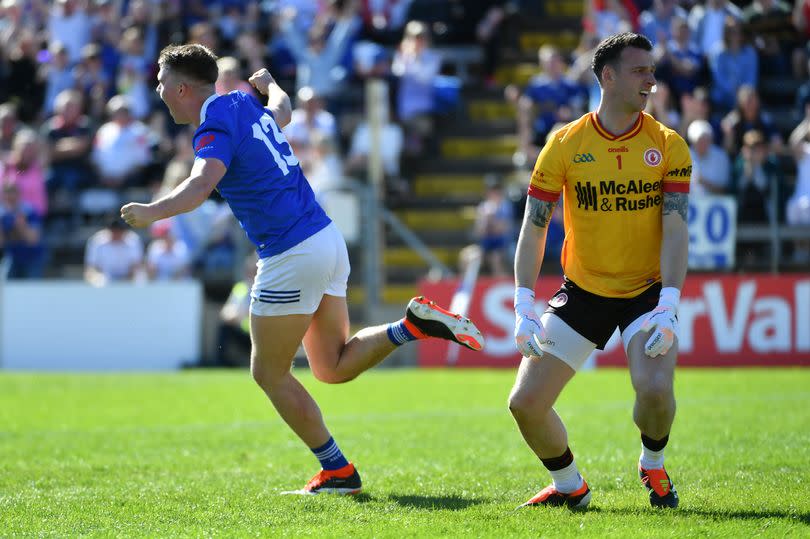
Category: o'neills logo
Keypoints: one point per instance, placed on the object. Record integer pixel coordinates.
(652, 157)
(622, 149)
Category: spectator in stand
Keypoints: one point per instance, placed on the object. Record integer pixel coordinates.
(205, 34)
(58, 74)
(656, 23)
(92, 80)
(748, 115)
(416, 66)
(324, 169)
(143, 16)
(493, 228)
(230, 78)
(708, 21)
(302, 13)
(24, 169)
(608, 17)
(756, 180)
(308, 118)
(9, 123)
(318, 60)
(234, 17)
(167, 259)
(233, 336)
(122, 147)
(21, 235)
(768, 22)
(550, 98)
(69, 141)
(661, 105)
(755, 173)
(493, 32)
(179, 166)
(24, 85)
(581, 71)
(106, 35)
(391, 142)
(711, 167)
(370, 61)
(253, 54)
(133, 71)
(732, 65)
(697, 106)
(384, 19)
(798, 206)
(679, 61)
(112, 254)
(70, 24)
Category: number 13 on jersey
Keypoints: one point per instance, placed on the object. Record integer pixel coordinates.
(281, 151)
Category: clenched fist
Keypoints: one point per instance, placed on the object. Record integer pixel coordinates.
(261, 80)
(138, 215)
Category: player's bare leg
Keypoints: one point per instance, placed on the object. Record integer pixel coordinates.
(538, 384)
(653, 413)
(336, 358)
(333, 357)
(275, 341)
(652, 380)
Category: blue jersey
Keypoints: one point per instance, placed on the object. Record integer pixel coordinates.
(264, 184)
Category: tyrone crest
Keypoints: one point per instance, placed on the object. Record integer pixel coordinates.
(559, 300)
(652, 157)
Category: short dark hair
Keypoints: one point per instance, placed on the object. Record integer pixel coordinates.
(193, 60)
(610, 49)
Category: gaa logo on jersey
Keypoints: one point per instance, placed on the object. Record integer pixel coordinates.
(652, 157)
(584, 158)
(559, 300)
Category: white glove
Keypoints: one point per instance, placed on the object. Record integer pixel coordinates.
(665, 322)
(529, 331)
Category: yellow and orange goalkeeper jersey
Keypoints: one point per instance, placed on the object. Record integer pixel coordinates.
(612, 199)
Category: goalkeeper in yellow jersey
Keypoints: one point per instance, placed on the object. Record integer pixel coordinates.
(624, 178)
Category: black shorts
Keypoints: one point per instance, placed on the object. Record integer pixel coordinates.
(596, 317)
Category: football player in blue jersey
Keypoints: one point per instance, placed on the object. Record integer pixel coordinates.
(299, 293)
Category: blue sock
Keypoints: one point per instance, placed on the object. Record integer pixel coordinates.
(398, 333)
(330, 455)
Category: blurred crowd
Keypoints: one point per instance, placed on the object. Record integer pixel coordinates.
(81, 129)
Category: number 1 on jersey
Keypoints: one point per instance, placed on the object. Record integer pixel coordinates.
(260, 131)
(619, 161)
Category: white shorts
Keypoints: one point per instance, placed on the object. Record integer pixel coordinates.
(563, 342)
(572, 348)
(293, 282)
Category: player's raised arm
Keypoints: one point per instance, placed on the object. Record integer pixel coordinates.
(193, 191)
(278, 102)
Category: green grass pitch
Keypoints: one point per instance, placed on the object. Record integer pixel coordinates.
(202, 453)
